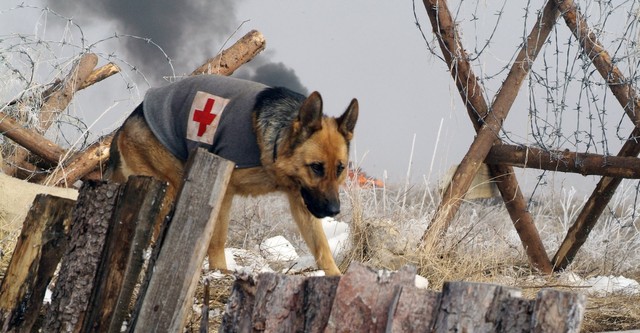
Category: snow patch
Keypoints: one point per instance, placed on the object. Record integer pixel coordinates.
(278, 248)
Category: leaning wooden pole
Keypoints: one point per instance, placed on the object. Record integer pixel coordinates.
(487, 125)
(225, 63)
(628, 98)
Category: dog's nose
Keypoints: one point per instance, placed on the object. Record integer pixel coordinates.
(333, 209)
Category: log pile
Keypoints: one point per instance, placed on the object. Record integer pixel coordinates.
(99, 243)
(365, 300)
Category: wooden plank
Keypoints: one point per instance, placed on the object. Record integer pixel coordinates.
(364, 296)
(130, 235)
(175, 275)
(37, 253)
(72, 293)
(558, 311)
(471, 307)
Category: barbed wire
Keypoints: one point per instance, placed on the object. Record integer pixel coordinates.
(30, 63)
(565, 103)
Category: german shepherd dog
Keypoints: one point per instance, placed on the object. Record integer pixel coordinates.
(280, 141)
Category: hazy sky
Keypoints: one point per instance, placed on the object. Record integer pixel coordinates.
(371, 50)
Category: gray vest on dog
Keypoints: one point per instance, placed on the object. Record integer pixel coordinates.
(214, 112)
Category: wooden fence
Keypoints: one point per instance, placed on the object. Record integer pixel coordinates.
(365, 300)
(99, 244)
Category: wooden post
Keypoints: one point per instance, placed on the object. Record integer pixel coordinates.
(176, 271)
(121, 262)
(72, 293)
(35, 258)
(487, 125)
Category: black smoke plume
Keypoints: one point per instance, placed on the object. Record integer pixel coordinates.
(189, 32)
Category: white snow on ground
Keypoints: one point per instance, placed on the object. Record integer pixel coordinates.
(604, 285)
(278, 248)
(337, 234)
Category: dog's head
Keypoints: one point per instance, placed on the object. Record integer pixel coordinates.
(319, 154)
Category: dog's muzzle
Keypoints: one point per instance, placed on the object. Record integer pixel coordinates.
(319, 205)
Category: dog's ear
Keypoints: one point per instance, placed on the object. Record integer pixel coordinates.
(347, 121)
(310, 116)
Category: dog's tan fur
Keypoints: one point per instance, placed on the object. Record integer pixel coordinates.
(322, 140)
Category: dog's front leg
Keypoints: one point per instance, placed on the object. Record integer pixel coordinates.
(219, 237)
(311, 229)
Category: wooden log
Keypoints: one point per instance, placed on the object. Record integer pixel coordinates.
(81, 164)
(175, 275)
(238, 312)
(94, 77)
(72, 293)
(128, 238)
(100, 74)
(472, 307)
(472, 95)
(278, 303)
(627, 96)
(363, 298)
(515, 315)
(31, 140)
(60, 99)
(557, 311)
(290, 303)
(225, 63)
(565, 161)
(413, 310)
(35, 258)
(319, 293)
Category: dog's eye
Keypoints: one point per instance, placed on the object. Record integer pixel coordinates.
(317, 169)
(339, 169)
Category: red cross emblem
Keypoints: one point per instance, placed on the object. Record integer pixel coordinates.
(204, 117)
